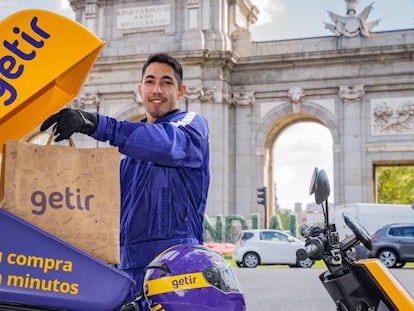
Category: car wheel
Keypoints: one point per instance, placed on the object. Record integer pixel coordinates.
(388, 257)
(306, 263)
(251, 260)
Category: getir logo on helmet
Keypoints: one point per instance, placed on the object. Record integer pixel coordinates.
(44, 60)
(188, 277)
(168, 284)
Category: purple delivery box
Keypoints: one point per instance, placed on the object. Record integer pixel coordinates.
(40, 270)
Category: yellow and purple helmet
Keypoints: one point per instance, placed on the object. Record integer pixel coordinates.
(192, 277)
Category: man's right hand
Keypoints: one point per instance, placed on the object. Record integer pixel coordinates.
(69, 121)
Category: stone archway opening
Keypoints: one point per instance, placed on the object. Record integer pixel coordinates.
(297, 149)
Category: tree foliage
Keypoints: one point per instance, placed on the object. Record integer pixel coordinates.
(284, 218)
(293, 225)
(395, 184)
(275, 222)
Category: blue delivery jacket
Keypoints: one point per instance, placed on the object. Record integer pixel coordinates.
(164, 182)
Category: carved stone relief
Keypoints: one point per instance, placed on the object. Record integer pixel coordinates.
(208, 95)
(243, 98)
(351, 92)
(86, 101)
(392, 117)
(200, 94)
(295, 95)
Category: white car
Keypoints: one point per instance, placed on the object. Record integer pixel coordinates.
(267, 246)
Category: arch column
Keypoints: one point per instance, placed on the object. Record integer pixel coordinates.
(248, 172)
(352, 153)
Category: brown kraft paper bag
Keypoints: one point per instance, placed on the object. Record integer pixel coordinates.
(72, 193)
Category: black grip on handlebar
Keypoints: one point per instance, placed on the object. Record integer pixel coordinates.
(314, 250)
(310, 252)
(310, 231)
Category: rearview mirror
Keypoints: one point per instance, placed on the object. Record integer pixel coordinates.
(319, 185)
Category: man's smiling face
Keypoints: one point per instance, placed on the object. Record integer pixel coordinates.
(159, 90)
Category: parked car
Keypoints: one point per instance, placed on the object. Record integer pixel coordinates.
(393, 244)
(266, 246)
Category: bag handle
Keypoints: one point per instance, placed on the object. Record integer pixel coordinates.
(52, 135)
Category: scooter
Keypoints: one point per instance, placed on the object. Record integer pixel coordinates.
(39, 272)
(353, 285)
(31, 279)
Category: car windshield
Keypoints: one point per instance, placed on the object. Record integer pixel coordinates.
(273, 236)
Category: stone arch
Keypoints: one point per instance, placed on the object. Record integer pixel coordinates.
(310, 111)
(131, 114)
(274, 122)
(135, 111)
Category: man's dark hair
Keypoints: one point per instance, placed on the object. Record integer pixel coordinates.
(165, 59)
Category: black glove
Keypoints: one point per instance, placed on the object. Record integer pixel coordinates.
(69, 121)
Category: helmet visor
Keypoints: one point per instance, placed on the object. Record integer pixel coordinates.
(223, 278)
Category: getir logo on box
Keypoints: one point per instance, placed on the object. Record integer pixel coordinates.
(44, 60)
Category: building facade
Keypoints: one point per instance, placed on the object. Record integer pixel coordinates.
(357, 83)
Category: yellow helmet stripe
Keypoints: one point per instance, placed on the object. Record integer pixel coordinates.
(157, 307)
(176, 283)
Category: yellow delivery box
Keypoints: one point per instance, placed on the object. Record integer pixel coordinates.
(44, 61)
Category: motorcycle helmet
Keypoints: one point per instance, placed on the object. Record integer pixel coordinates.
(192, 277)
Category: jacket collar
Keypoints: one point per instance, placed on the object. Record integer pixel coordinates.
(166, 115)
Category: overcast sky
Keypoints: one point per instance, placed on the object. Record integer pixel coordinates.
(278, 19)
(296, 154)
(287, 19)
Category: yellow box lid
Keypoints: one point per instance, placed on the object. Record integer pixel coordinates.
(44, 61)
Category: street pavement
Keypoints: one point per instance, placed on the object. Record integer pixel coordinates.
(270, 288)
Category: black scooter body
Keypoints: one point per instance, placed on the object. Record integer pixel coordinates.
(356, 289)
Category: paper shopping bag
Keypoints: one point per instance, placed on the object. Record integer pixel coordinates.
(69, 192)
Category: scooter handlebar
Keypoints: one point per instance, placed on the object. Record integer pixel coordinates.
(313, 250)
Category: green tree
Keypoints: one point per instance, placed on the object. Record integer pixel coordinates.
(284, 217)
(229, 226)
(395, 184)
(275, 222)
(216, 234)
(293, 225)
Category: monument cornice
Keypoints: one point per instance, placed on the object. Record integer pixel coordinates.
(374, 54)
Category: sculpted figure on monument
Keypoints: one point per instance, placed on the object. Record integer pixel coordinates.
(351, 25)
